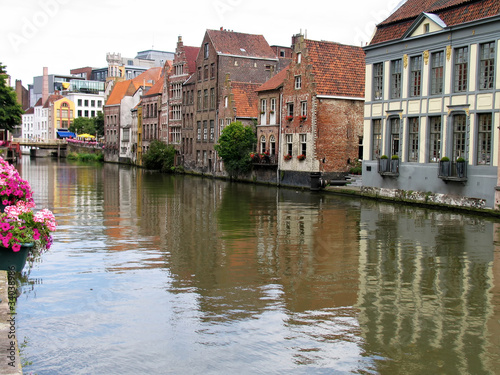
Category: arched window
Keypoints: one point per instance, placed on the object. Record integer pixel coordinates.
(272, 143)
(262, 144)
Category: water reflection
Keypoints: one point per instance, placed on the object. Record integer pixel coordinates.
(155, 274)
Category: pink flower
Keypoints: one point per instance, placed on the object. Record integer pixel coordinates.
(16, 247)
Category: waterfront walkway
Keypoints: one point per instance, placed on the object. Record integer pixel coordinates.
(10, 361)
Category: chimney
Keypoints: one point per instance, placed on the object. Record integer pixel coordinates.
(45, 85)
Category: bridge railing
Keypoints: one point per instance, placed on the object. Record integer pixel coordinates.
(48, 142)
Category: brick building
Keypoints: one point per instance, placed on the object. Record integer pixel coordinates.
(246, 58)
(178, 102)
(322, 112)
(151, 114)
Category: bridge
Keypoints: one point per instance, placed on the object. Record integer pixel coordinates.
(40, 143)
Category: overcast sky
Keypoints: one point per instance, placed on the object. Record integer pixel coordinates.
(68, 34)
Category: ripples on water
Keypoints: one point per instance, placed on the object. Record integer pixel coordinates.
(154, 274)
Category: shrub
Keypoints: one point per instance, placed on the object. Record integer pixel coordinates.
(159, 156)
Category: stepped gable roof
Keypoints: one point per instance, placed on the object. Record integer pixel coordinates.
(452, 12)
(339, 69)
(245, 99)
(274, 82)
(51, 99)
(239, 44)
(191, 54)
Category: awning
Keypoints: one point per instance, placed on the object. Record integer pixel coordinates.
(62, 134)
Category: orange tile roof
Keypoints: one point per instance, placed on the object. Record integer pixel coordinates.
(274, 82)
(245, 99)
(149, 76)
(129, 87)
(240, 44)
(339, 69)
(157, 88)
(118, 92)
(452, 12)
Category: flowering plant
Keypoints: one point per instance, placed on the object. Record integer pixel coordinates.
(287, 156)
(254, 156)
(289, 118)
(301, 157)
(19, 225)
(12, 187)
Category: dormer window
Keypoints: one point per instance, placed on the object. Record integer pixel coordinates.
(298, 82)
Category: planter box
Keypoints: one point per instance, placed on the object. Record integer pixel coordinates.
(11, 261)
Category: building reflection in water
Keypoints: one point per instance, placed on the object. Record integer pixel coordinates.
(427, 283)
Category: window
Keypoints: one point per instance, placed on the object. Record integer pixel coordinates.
(225, 102)
(205, 99)
(378, 81)
(272, 143)
(395, 122)
(484, 140)
(437, 68)
(205, 130)
(212, 130)
(198, 124)
(179, 69)
(413, 139)
(199, 73)
(303, 144)
(298, 82)
(176, 112)
(303, 110)
(86, 103)
(459, 136)
(92, 103)
(377, 139)
(205, 72)
(263, 106)
(435, 139)
(79, 102)
(426, 28)
(415, 75)
(289, 143)
(486, 66)
(205, 50)
(199, 100)
(299, 58)
(212, 98)
(461, 67)
(289, 109)
(177, 91)
(212, 70)
(395, 79)
(273, 104)
(262, 144)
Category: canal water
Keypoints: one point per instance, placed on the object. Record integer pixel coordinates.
(160, 274)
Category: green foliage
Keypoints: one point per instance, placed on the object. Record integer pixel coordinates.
(83, 125)
(159, 156)
(395, 157)
(86, 157)
(384, 157)
(10, 109)
(459, 160)
(235, 144)
(99, 124)
(357, 167)
(445, 158)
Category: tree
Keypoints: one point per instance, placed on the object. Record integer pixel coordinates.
(99, 124)
(83, 125)
(159, 156)
(10, 109)
(234, 147)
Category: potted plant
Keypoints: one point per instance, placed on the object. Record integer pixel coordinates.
(287, 156)
(289, 118)
(254, 156)
(395, 163)
(444, 166)
(301, 157)
(20, 230)
(12, 187)
(383, 164)
(303, 118)
(460, 167)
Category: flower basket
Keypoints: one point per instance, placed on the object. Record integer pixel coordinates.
(301, 157)
(289, 118)
(14, 261)
(287, 157)
(303, 118)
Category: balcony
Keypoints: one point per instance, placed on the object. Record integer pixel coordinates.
(265, 160)
(388, 167)
(453, 171)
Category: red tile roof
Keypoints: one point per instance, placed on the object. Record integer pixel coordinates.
(274, 82)
(129, 87)
(339, 69)
(452, 12)
(240, 44)
(191, 55)
(149, 76)
(118, 93)
(245, 99)
(51, 99)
